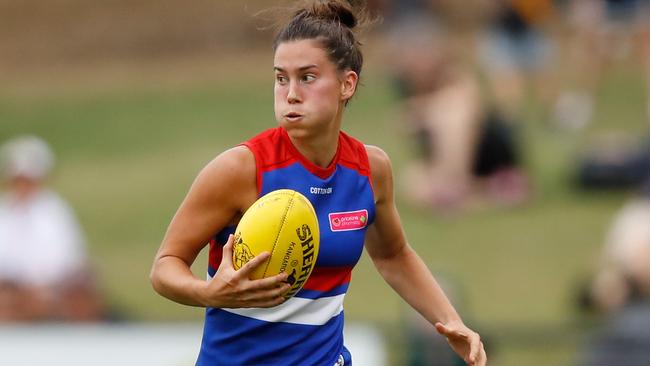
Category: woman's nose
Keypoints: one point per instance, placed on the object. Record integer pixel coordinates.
(293, 96)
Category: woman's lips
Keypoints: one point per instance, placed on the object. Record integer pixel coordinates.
(292, 116)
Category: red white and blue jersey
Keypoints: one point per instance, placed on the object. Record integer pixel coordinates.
(307, 329)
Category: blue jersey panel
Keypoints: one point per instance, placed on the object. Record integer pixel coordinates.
(343, 191)
(242, 341)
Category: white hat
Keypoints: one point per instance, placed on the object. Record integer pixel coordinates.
(26, 156)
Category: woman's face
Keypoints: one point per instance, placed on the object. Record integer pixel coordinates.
(310, 92)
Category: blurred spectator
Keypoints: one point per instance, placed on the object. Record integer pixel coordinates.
(515, 51)
(44, 273)
(622, 290)
(466, 147)
(599, 33)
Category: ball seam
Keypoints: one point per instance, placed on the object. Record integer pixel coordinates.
(282, 222)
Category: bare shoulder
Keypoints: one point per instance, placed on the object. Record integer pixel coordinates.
(238, 161)
(229, 178)
(377, 157)
(381, 171)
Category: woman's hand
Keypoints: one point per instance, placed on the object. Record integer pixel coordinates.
(230, 288)
(464, 341)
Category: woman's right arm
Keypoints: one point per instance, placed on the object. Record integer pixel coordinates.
(219, 195)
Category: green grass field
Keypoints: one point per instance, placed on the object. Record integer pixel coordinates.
(127, 155)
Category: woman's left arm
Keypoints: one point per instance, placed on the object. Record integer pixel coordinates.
(404, 270)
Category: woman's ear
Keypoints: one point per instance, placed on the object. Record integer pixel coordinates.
(348, 84)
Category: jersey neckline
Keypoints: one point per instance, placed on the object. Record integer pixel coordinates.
(320, 172)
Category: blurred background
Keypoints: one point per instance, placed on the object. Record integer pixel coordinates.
(518, 132)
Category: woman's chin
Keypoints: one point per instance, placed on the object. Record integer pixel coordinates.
(295, 131)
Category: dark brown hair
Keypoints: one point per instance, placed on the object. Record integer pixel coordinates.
(330, 22)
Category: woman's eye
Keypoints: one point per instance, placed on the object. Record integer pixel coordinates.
(280, 79)
(308, 78)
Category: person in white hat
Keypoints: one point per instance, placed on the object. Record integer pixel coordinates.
(44, 273)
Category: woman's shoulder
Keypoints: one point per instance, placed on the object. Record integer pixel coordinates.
(233, 169)
(378, 158)
(380, 169)
(233, 157)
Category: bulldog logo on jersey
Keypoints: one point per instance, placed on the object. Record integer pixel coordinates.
(241, 253)
(349, 220)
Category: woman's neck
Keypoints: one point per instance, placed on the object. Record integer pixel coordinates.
(320, 150)
(320, 146)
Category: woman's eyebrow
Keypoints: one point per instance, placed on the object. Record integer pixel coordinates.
(302, 68)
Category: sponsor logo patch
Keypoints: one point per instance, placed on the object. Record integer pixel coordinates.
(350, 220)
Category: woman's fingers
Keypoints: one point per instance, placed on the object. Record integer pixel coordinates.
(247, 269)
(464, 341)
(242, 291)
(278, 291)
(449, 332)
(226, 258)
(264, 297)
(271, 282)
(482, 356)
(475, 347)
(441, 328)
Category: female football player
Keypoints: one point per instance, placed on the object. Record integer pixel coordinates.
(317, 64)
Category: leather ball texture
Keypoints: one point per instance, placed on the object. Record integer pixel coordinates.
(283, 223)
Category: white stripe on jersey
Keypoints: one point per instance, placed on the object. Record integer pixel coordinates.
(297, 310)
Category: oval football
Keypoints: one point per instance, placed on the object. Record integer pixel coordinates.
(283, 223)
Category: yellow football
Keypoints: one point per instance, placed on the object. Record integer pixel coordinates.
(283, 223)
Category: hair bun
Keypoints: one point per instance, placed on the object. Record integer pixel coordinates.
(333, 10)
(330, 22)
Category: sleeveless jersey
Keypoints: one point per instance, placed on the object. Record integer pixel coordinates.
(307, 329)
